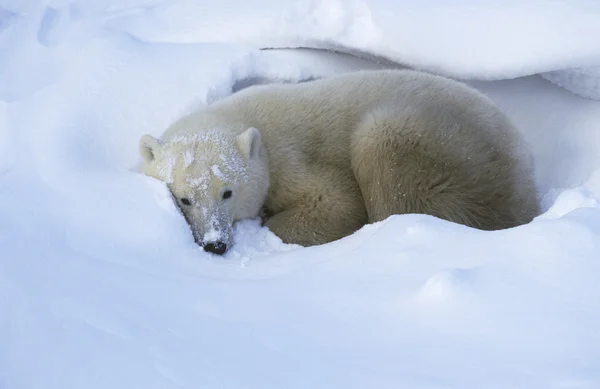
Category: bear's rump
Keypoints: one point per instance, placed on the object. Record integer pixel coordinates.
(405, 162)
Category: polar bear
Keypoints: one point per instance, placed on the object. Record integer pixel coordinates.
(323, 158)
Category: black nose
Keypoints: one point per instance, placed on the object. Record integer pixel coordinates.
(216, 247)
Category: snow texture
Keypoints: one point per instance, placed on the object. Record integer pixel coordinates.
(102, 285)
(468, 39)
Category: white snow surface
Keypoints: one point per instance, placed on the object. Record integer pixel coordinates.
(470, 39)
(102, 285)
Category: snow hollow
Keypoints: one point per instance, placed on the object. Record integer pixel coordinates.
(102, 285)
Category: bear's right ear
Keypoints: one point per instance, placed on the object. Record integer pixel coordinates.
(149, 147)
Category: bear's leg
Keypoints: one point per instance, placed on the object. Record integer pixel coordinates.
(401, 172)
(331, 210)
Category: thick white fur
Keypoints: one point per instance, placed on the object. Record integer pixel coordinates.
(328, 156)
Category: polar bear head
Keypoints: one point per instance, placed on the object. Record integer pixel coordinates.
(216, 179)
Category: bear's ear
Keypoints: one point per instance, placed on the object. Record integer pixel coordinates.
(149, 147)
(250, 142)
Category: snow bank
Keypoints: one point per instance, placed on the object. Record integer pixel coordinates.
(102, 285)
(468, 39)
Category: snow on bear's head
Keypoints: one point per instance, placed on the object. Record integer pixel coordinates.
(216, 179)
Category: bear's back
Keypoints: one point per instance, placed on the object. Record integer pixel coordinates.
(314, 120)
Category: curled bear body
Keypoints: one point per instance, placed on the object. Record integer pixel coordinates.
(326, 157)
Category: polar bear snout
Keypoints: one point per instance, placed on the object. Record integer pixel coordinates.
(212, 230)
(218, 247)
(219, 244)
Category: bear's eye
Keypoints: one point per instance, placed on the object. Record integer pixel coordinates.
(185, 201)
(227, 194)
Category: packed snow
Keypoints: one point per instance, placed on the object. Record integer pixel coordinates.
(102, 285)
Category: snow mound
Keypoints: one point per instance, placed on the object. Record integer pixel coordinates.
(468, 39)
(583, 81)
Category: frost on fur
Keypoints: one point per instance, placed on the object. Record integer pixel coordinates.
(199, 167)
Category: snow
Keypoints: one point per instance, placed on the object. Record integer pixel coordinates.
(461, 38)
(216, 171)
(102, 285)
